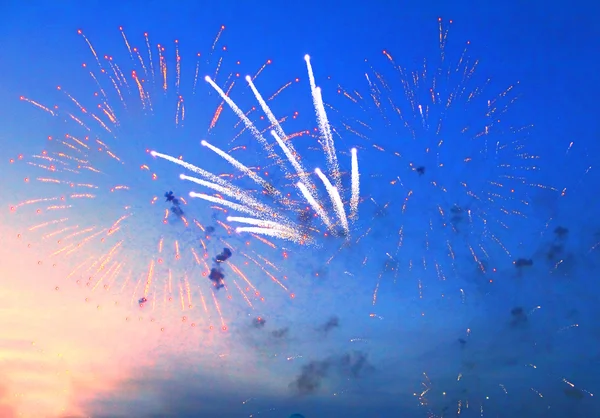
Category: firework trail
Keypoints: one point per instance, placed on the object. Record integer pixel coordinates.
(98, 208)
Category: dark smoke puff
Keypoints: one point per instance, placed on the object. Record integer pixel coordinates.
(355, 364)
(518, 316)
(280, 333)
(258, 322)
(177, 210)
(224, 255)
(216, 276)
(310, 377)
(332, 323)
(523, 262)
(561, 232)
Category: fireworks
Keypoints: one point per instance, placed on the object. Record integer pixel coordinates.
(454, 159)
(463, 198)
(447, 213)
(99, 208)
(283, 227)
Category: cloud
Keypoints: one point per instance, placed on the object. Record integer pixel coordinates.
(189, 392)
(6, 410)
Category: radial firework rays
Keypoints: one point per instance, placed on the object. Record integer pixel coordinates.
(451, 148)
(94, 206)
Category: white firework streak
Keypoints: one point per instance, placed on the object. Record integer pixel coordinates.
(336, 200)
(253, 207)
(228, 203)
(250, 205)
(263, 223)
(277, 233)
(315, 205)
(227, 188)
(279, 135)
(257, 179)
(256, 207)
(247, 122)
(324, 127)
(355, 186)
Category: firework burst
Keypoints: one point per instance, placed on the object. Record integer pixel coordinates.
(99, 207)
(463, 199)
(454, 158)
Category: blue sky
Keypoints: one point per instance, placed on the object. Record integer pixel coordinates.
(549, 47)
(370, 359)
